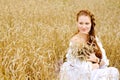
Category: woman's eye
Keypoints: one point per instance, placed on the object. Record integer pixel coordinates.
(80, 23)
(86, 23)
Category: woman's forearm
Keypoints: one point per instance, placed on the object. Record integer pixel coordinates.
(101, 63)
(95, 66)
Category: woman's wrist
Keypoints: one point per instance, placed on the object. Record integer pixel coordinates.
(96, 60)
(99, 61)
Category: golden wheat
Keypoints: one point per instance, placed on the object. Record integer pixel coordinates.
(34, 34)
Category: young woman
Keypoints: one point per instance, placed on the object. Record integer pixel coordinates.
(94, 66)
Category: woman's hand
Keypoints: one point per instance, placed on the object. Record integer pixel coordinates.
(92, 58)
(95, 60)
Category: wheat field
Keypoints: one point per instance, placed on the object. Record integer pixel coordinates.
(34, 34)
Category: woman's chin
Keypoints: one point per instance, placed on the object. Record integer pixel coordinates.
(84, 32)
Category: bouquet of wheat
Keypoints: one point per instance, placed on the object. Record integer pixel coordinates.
(82, 51)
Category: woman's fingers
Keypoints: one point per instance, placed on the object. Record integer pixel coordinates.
(92, 58)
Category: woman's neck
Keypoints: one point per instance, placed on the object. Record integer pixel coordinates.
(84, 36)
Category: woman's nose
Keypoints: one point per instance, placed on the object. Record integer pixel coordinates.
(83, 25)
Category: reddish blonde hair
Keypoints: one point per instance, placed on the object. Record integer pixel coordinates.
(92, 39)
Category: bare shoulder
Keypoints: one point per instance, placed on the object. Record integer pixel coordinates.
(76, 42)
(76, 39)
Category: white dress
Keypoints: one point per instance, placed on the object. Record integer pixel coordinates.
(74, 69)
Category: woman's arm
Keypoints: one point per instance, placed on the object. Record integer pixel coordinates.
(104, 61)
(69, 52)
(75, 42)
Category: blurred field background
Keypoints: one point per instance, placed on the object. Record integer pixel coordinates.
(34, 34)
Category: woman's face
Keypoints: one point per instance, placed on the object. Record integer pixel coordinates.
(84, 24)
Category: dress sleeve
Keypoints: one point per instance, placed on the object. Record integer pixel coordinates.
(104, 57)
(69, 55)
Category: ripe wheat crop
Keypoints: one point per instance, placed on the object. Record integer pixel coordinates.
(34, 34)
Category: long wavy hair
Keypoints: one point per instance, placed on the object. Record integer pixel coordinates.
(91, 38)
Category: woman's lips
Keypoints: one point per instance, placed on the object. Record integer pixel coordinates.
(83, 29)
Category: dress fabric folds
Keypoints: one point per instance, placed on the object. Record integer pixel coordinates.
(75, 69)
